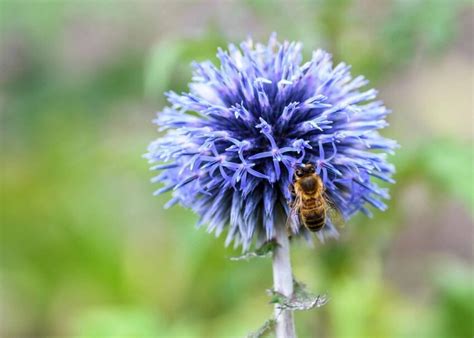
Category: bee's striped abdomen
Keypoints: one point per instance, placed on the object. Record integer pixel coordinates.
(315, 223)
(313, 214)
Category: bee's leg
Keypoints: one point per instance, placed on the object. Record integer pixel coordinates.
(291, 188)
(289, 229)
(300, 225)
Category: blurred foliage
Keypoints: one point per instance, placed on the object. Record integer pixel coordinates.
(87, 251)
(118, 323)
(445, 164)
(454, 294)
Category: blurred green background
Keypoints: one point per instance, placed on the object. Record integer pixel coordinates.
(87, 251)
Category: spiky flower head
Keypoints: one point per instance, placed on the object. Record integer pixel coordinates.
(232, 142)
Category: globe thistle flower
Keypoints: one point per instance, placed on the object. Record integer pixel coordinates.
(232, 142)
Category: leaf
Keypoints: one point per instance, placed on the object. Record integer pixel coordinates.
(301, 300)
(264, 329)
(262, 252)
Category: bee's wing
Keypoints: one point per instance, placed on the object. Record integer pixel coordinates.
(333, 212)
(293, 221)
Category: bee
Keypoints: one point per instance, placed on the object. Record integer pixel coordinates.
(310, 202)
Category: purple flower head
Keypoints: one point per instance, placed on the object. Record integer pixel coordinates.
(232, 142)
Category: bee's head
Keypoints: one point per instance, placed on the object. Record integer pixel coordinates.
(304, 170)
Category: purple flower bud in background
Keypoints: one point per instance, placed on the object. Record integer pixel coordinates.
(232, 142)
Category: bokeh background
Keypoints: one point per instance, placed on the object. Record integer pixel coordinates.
(87, 251)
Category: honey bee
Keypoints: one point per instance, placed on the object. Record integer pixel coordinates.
(310, 203)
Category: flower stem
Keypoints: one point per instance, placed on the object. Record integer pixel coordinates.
(283, 283)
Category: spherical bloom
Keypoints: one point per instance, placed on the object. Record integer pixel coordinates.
(232, 142)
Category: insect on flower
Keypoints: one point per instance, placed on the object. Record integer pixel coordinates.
(310, 206)
(232, 142)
